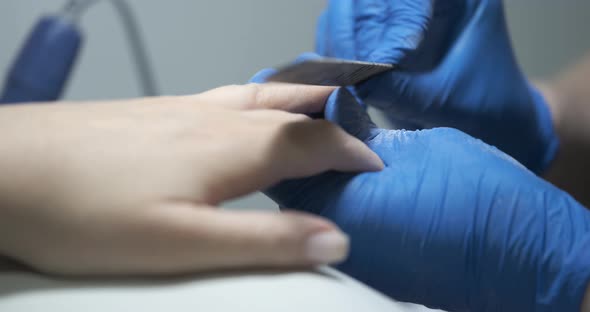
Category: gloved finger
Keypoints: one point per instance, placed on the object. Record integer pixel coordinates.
(386, 91)
(388, 30)
(339, 35)
(320, 37)
(343, 109)
(402, 124)
(294, 98)
(262, 75)
(306, 56)
(181, 237)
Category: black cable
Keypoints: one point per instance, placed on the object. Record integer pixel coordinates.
(138, 47)
(74, 10)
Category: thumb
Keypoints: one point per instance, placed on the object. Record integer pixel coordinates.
(343, 109)
(191, 238)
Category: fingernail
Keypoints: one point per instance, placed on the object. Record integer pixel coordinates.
(375, 163)
(327, 247)
(371, 161)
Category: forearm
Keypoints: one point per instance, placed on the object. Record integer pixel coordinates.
(569, 99)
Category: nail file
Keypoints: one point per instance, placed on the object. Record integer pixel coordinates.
(329, 72)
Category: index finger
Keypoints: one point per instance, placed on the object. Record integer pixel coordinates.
(294, 98)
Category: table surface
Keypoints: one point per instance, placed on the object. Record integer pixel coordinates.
(323, 289)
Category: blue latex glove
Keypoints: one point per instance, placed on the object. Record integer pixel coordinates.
(462, 75)
(450, 222)
(356, 29)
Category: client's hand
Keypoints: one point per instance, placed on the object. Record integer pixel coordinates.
(131, 187)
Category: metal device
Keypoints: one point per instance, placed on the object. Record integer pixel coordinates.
(42, 68)
(329, 72)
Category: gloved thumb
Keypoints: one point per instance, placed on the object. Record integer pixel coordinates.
(343, 109)
(306, 56)
(335, 32)
(262, 75)
(320, 44)
(401, 24)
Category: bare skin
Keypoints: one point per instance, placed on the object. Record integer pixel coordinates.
(132, 187)
(568, 96)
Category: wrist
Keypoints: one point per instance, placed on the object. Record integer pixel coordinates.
(547, 118)
(586, 301)
(553, 100)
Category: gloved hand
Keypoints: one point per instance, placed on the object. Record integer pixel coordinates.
(450, 222)
(356, 29)
(462, 75)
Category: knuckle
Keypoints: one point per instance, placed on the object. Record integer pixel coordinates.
(253, 95)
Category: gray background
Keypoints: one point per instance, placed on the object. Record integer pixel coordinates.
(196, 45)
